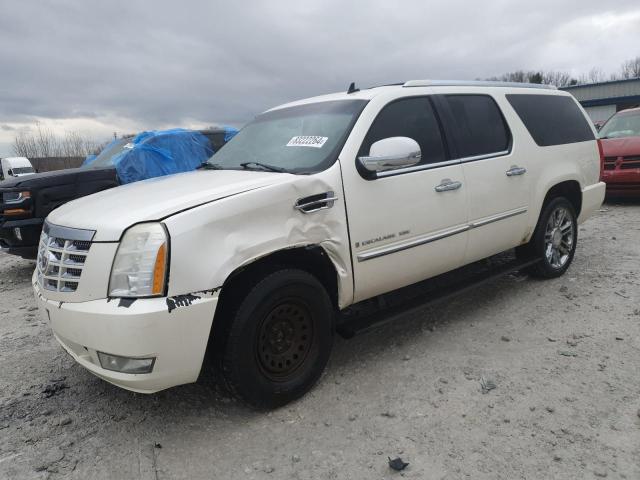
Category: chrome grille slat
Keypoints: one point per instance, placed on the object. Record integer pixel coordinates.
(61, 261)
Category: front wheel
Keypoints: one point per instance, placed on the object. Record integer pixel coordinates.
(279, 340)
(554, 240)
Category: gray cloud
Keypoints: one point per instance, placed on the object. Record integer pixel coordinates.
(157, 63)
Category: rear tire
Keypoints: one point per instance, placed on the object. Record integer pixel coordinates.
(554, 240)
(279, 339)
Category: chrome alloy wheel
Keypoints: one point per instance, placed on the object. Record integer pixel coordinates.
(559, 237)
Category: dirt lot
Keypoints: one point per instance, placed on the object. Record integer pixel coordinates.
(564, 356)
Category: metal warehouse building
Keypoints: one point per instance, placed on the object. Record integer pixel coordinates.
(601, 100)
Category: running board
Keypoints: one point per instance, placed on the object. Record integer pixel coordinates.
(350, 327)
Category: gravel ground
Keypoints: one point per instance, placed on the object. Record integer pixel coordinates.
(563, 355)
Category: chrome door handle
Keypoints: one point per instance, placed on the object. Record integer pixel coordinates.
(515, 170)
(447, 185)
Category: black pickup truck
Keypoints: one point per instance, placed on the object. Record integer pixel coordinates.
(26, 201)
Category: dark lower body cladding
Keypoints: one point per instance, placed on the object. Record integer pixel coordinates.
(20, 237)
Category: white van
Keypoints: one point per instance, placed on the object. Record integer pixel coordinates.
(314, 208)
(15, 167)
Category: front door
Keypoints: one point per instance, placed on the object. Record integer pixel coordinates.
(409, 224)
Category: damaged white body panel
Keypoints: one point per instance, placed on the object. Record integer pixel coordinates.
(131, 278)
(234, 234)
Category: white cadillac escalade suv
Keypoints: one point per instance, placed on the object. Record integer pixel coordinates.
(313, 207)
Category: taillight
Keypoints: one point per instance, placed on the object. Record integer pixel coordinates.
(601, 150)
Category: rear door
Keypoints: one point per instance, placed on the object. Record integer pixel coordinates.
(403, 229)
(495, 171)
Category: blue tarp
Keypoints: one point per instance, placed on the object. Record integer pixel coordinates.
(161, 152)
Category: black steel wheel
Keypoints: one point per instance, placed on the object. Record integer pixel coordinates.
(279, 339)
(285, 339)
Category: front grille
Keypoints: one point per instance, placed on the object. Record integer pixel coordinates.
(630, 162)
(60, 261)
(623, 163)
(610, 163)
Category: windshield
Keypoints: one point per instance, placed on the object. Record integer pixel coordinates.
(621, 125)
(302, 139)
(114, 148)
(22, 170)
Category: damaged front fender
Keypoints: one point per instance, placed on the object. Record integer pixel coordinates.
(211, 241)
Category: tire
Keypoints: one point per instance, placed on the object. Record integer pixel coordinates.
(279, 339)
(555, 244)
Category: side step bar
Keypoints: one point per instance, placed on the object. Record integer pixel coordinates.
(350, 327)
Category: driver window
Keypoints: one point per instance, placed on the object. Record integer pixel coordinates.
(409, 117)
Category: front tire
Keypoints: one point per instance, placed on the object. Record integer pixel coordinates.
(279, 340)
(554, 240)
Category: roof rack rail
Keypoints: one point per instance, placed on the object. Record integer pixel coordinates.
(474, 83)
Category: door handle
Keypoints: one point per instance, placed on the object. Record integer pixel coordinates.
(448, 185)
(515, 170)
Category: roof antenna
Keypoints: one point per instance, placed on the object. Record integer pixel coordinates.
(352, 88)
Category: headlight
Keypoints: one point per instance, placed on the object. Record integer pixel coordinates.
(15, 197)
(141, 264)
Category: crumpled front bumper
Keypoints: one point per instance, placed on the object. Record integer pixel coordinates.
(177, 339)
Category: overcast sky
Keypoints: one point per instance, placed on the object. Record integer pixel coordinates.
(99, 67)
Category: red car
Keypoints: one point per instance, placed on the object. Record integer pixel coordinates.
(620, 139)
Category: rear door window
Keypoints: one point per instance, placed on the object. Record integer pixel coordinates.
(412, 117)
(551, 119)
(480, 128)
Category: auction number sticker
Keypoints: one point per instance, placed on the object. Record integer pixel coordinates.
(313, 141)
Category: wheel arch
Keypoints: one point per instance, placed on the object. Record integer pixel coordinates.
(313, 259)
(569, 189)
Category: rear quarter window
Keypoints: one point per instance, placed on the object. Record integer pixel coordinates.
(551, 119)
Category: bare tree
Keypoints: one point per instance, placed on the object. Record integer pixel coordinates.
(630, 68)
(559, 79)
(42, 142)
(596, 75)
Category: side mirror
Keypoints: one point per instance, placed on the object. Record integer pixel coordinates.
(392, 153)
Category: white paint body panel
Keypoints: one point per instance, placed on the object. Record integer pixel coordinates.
(379, 234)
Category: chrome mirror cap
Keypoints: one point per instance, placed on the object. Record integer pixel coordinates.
(392, 153)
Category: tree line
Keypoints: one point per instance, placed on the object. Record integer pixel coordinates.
(628, 69)
(43, 142)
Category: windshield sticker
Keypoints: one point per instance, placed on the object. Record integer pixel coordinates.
(307, 141)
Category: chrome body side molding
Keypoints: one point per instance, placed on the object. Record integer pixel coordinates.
(422, 240)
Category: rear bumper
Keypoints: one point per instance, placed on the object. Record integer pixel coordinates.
(592, 198)
(176, 340)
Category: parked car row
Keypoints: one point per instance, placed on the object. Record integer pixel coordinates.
(313, 209)
(25, 201)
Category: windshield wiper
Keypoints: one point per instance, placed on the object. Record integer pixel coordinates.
(264, 166)
(209, 166)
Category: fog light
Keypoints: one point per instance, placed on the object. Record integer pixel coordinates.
(116, 363)
(17, 233)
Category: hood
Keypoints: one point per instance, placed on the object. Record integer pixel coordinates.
(621, 147)
(112, 211)
(57, 177)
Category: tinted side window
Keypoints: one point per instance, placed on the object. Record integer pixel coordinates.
(551, 119)
(479, 123)
(409, 117)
